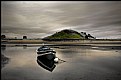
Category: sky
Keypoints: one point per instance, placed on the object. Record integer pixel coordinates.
(38, 19)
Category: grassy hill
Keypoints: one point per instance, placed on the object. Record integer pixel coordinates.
(65, 34)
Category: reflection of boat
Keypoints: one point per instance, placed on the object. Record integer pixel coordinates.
(45, 62)
(44, 49)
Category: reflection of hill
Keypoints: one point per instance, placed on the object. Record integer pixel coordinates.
(4, 60)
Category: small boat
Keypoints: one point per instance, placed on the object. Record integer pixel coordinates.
(46, 58)
(44, 49)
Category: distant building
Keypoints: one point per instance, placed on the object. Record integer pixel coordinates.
(3, 36)
(24, 37)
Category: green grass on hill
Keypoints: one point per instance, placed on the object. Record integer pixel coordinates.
(64, 35)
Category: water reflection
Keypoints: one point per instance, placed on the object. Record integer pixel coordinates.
(24, 46)
(106, 48)
(4, 60)
(46, 63)
(87, 61)
(3, 47)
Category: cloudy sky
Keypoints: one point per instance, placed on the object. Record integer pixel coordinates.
(38, 19)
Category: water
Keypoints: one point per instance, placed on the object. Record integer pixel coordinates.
(82, 63)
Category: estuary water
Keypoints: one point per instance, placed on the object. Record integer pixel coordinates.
(82, 62)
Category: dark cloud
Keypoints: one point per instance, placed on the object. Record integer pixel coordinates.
(38, 18)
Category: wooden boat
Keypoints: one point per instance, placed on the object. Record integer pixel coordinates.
(45, 62)
(44, 49)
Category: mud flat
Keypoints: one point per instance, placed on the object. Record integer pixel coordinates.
(83, 62)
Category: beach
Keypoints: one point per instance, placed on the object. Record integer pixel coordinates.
(82, 62)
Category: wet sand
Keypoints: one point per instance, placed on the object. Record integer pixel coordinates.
(83, 62)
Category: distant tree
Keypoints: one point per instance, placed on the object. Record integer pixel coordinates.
(89, 35)
(24, 37)
(84, 33)
(86, 37)
(15, 37)
(3, 36)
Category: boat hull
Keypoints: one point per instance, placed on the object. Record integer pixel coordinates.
(46, 63)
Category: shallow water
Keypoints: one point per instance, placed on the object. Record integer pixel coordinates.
(82, 63)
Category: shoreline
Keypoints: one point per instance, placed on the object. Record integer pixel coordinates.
(31, 43)
(79, 42)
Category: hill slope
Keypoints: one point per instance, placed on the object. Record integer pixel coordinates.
(66, 34)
